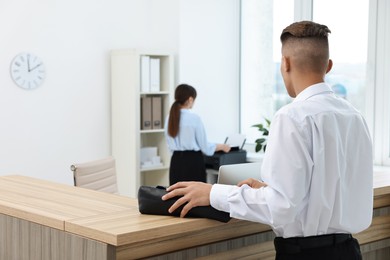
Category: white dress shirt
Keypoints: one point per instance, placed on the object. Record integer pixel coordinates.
(318, 167)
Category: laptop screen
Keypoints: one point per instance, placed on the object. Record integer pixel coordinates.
(232, 174)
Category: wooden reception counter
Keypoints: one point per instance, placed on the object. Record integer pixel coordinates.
(45, 220)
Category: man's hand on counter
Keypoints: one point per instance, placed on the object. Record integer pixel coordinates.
(193, 194)
(253, 183)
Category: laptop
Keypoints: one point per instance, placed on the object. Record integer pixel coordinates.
(232, 174)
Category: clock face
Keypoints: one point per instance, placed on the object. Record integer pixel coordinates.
(27, 70)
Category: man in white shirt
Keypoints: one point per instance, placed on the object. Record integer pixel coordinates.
(318, 168)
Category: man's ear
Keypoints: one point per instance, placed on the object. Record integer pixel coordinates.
(285, 64)
(330, 65)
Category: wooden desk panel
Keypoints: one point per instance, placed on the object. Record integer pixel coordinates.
(143, 235)
(114, 221)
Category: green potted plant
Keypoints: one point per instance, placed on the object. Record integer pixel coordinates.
(261, 143)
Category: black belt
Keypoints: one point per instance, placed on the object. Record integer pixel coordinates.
(186, 152)
(295, 245)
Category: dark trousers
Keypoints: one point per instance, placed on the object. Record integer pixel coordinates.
(325, 247)
(187, 166)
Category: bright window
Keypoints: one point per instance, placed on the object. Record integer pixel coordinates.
(359, 47)
(262, 88)
(348, 46)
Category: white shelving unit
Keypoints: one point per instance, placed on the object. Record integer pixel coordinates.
(127, 138)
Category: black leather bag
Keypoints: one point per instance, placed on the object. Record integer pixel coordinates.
(150, 202)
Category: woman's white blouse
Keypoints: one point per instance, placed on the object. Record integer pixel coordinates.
(191, 136)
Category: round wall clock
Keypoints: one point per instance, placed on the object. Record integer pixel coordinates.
(27, 70)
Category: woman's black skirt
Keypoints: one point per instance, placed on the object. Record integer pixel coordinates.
(187, 166)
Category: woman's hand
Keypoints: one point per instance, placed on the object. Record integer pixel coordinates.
(193, 194)
(223, 147)
(253, 183)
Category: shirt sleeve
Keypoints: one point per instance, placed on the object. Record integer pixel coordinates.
(219, 196)
(286, 170)
(201, 139)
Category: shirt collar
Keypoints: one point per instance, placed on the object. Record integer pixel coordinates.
(316, 89)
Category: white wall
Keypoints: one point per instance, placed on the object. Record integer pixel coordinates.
(209, 61)
(67, 119)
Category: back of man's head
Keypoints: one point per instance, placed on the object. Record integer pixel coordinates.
(307, 43)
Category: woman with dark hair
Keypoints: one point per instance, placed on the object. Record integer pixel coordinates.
(186, 138)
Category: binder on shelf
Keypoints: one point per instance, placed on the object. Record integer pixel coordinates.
(145, 73)
(156, 113)
(146, 113)
(154, 74)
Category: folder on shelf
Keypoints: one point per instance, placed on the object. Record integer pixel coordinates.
(146, 114)
(156, 113)
(145, 73)
(154, 74)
